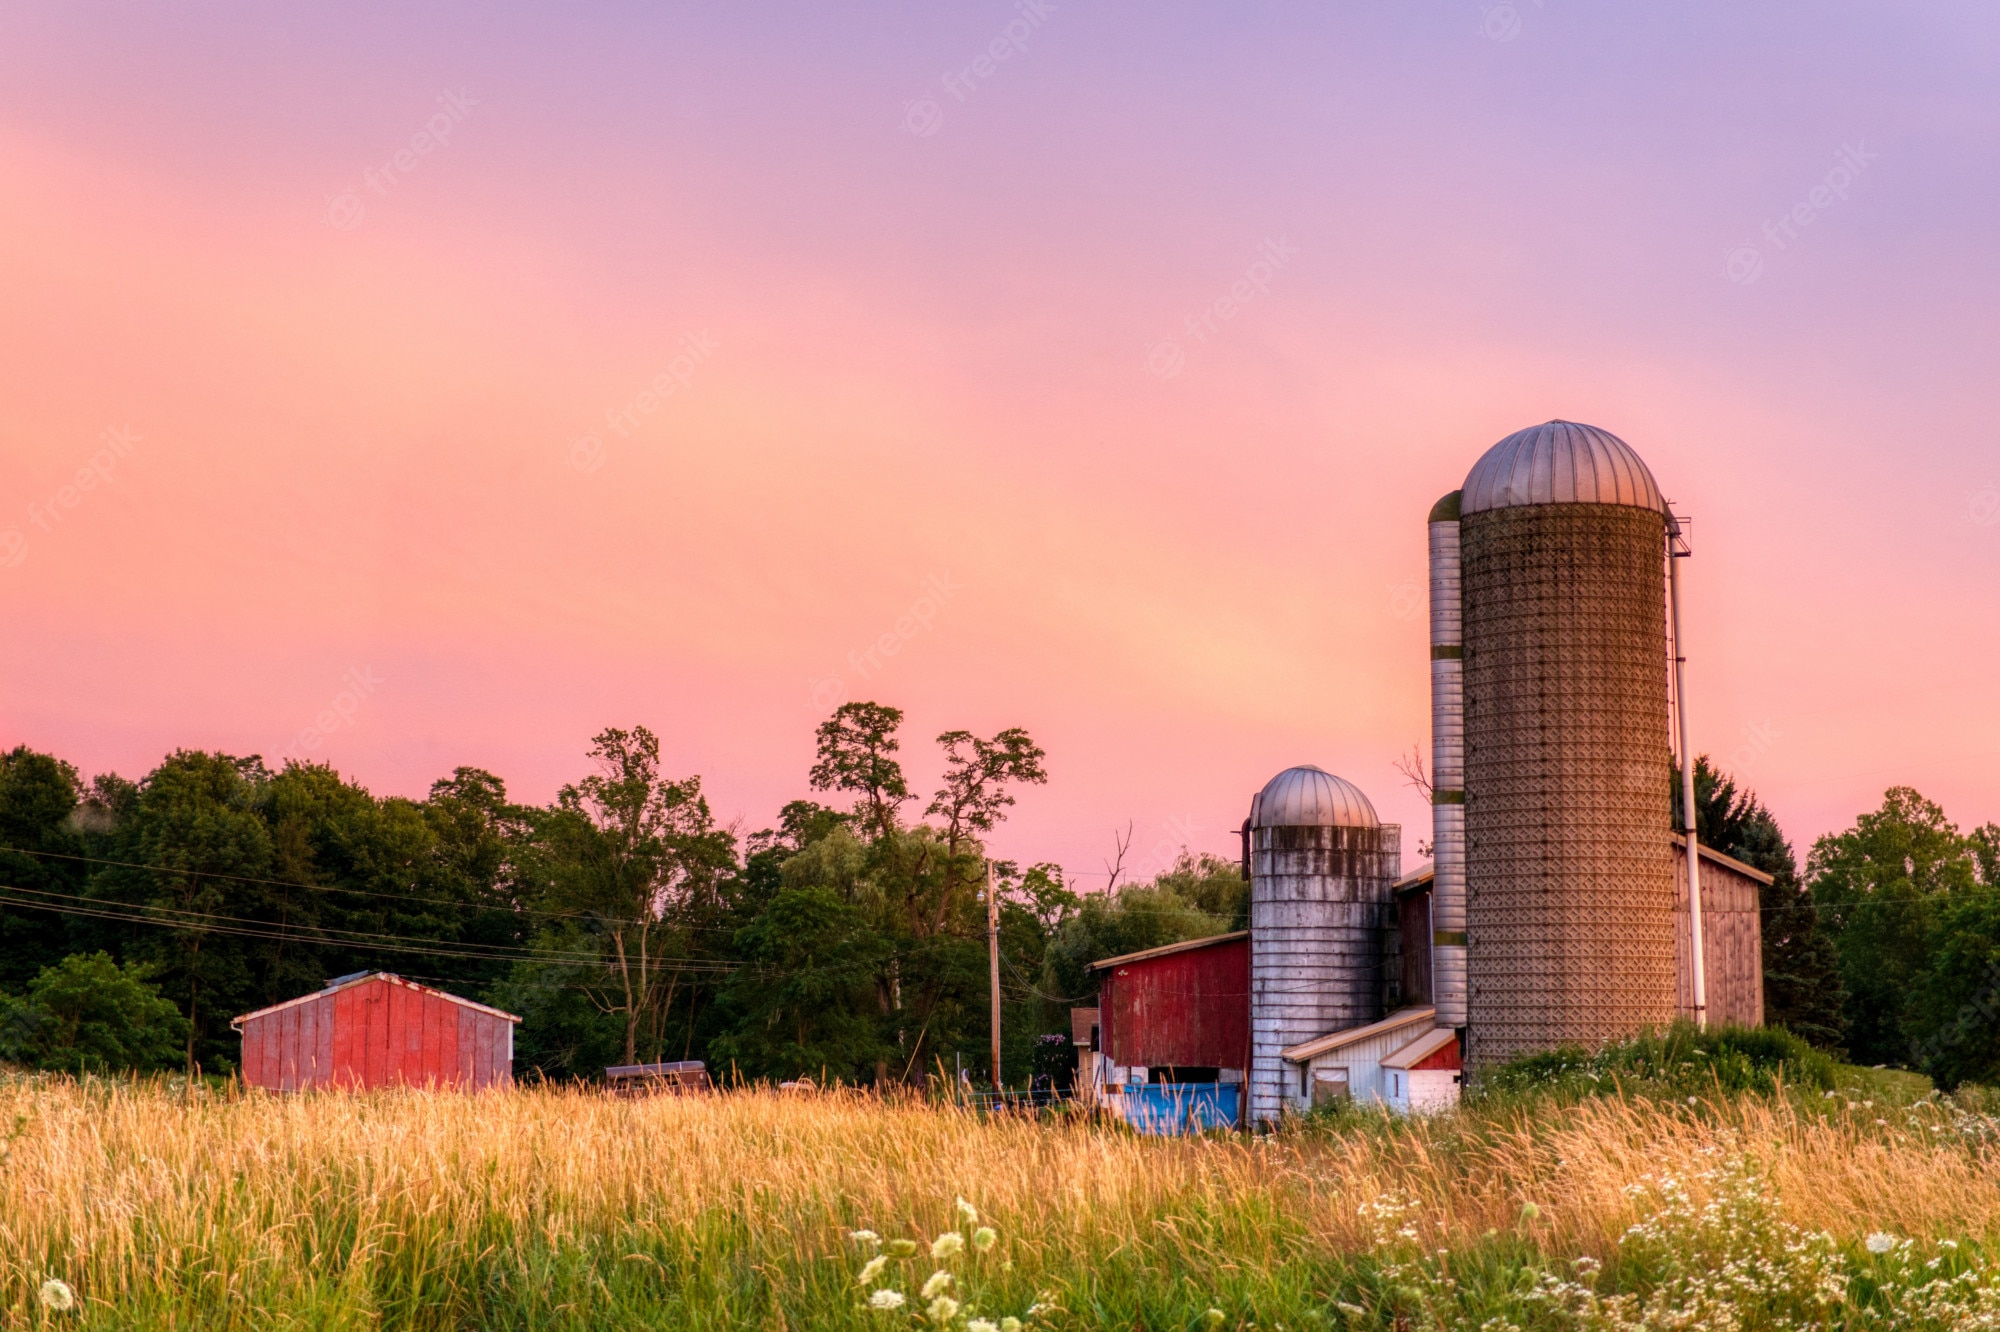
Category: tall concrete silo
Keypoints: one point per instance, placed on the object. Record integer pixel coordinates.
(1448, 934)
(1321, 869)
(1569, 866)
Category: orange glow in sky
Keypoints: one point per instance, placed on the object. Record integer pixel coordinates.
(703, 371)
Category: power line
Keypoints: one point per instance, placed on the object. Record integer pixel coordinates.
(182, 919)
(181, 872)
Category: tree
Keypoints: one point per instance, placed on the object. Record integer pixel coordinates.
(87, 1014)
(857, 747)
(801, 1000)
(1803, 992)
(633, 861)
(977, 773)
(1882, 887)
(194, 871)
(40, 874)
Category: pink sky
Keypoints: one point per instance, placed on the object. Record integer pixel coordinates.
(933, 359)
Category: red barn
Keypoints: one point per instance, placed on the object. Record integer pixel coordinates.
(373, 1029)
(1177, 1014)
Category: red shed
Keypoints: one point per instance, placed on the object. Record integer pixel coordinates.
(1181, 1011)
(373, 1029)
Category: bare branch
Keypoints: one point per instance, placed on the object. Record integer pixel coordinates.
(1412, 768)
(1117, 867)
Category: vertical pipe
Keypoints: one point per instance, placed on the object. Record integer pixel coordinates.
(1677, 550)
(993, 966)
(1448, 924)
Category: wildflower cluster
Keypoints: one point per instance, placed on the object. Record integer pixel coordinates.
(1729, 1262)
(951, 1296)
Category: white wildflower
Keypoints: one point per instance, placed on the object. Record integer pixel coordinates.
(985, 1238)
(886, 1299)
(943, 1309)
(948, 1245)
(1010, 1324)
(871, 1269)
(1215, 1318)
(938, 1284)
(864, 1237)
(57, 1297)
(982, 1325)
(967, 1212)
(1529, 1211)
(1881, 1243)
(903, 1248)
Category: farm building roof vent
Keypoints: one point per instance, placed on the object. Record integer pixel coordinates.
(1560, 462)
(1309, 797)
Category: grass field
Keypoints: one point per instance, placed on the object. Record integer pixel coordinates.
(161, 1207)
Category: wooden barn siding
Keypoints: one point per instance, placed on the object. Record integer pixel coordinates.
(1188, 1009)
(1732, 944)
(377, 1034)
(1413, 918)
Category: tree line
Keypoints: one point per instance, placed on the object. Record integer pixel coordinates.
(620, 920)
(847, 941)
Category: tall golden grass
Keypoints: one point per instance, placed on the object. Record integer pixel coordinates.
(436, 1209)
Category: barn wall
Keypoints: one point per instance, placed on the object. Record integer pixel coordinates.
(1732, 943)
(1413, 919)
(1188, 1009)
(377, 1034)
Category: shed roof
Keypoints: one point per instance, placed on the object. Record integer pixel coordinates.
(1422, 1048)
(1312, 1049)
(1148, 954)
(362, 978)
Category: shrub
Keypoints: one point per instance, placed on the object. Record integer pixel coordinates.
(1681, 1061)
(87, 1014)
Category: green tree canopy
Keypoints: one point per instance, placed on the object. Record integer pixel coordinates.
(87, 1014)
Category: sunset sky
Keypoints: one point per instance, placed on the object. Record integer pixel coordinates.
(358, 312)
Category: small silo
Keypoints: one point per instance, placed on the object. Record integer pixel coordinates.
(1321, 866)
(1569, 864)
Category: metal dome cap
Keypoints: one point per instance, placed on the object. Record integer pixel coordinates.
(1309, 797)
(1560, 462)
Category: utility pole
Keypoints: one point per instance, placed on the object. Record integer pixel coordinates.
(993, 965)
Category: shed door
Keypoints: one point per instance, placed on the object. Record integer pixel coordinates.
(1329, 1086)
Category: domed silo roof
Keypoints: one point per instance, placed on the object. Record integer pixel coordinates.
(1309, 797)
(1560, 462)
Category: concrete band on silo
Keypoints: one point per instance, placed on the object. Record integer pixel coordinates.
(1569, 862)
(1448, 922)
(1319, 901)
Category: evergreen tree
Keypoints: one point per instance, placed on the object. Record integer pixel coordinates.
(1803, 991)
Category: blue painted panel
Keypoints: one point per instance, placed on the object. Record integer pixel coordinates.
(1181, 1107)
